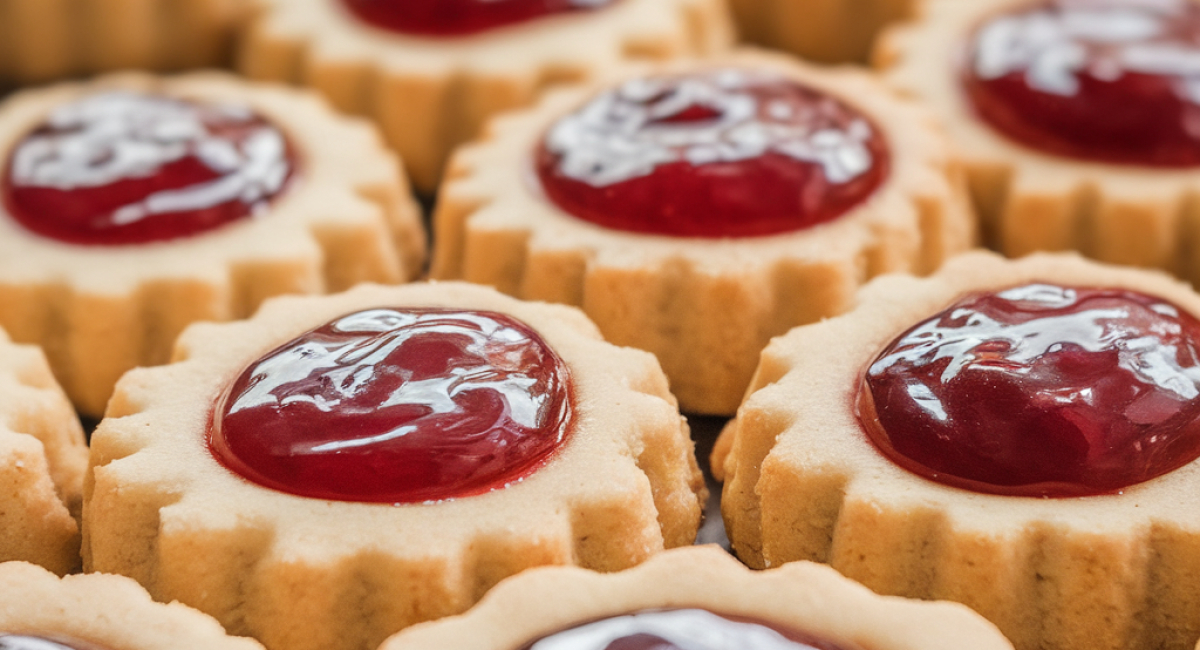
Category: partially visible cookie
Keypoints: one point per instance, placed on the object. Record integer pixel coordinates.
(134, 205)
(42, 40)
(339, 467)
(699, 593)
(42, 461)
(1019, 436)
(1075, 120)
(827, 31)
(39, 611)
(430, 72)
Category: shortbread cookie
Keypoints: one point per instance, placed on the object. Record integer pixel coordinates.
(1075, 119)
(1017, 436)
(431, 71)
(687, 595)
(387, 467)
(42, 40)
(133, 206)
(697, 210)
(39, 611)
(829, 31)
(42, 462)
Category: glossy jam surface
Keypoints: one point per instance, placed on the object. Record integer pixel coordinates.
(724, 153)
(1114, 81)
(397, 406)
(32, 642)
(679, 629)
(1040, 390)
(449, 18)
(124, 168)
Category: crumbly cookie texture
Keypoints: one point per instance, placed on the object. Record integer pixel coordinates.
(828, 31)
(42, 461)
(304, 573)
(107, 611)
(430, 95)
(1028, 200)
(41, 40)
(801, 596)
(802, 482)
(705, 307)
(346, 217)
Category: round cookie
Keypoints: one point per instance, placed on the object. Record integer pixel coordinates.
(177, 497)
(178, 224)
(431, 92)
(1061, 112)
(89, 612)
(41, 40)
(42, 461)
(867, 188)
(690, 585)
(1056, 558)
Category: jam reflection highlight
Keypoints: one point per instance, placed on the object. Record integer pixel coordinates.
(679, 629)
(1115, 81)
(1040, 390)
(118, 168)
(397, 406)
(34, 642)
(719, 153)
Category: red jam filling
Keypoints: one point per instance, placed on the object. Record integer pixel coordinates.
(397, 406)
(1040, 390)
(726, 153)
(125, 168)
(679, 629)
(449, 18)
(1114, 81)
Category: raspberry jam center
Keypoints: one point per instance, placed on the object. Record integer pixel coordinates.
(449, 18)
(678, 629)
(726, 153)
(397, 406)
(125, 168)
(1114, 81)
(1040, 390)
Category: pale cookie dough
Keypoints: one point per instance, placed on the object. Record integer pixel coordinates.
(41, 40)
(306, 574)
(99, 310)
(828, 31)
(105, 612)
(802, 482)
(1029, 200)
(42, 461)
(801, 597)
(705, 307)
(431, 94)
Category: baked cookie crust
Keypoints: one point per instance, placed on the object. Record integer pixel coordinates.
(705, 307)
(42, 40)
(42, 461)
(802, 596)
(1029, 200)
(106, 610)
(430, 95)
(305, 573)
(827, 31)
(346, 217)
(803, 482)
